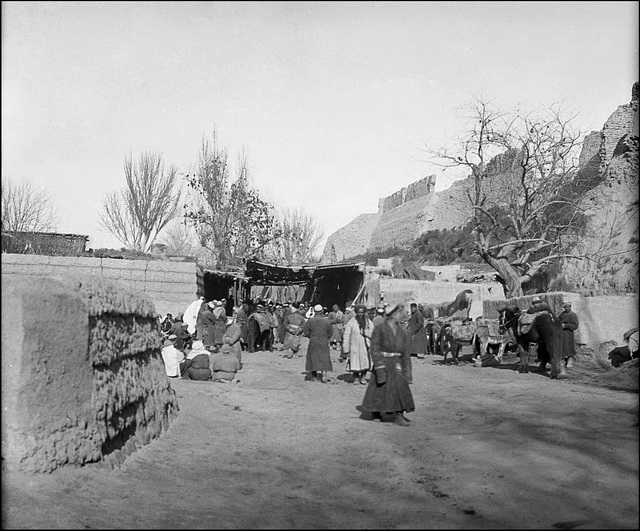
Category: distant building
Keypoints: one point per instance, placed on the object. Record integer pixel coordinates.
(48, 243)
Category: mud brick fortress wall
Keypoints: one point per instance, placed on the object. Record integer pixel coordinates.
(82, 375)
(400, 219)
(171, 286)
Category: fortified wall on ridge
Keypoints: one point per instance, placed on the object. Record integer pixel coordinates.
(401, 218)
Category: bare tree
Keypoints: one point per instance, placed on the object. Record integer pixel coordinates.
(524, 188)
(230, 217)
(136, 214)
(179, 238)
(300, 237)
(26, 208)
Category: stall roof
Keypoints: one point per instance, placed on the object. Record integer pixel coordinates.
(273, 274)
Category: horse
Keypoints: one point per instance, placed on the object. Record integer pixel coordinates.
(544, 337)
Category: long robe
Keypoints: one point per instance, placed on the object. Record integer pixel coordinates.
(570, 323)
(356, 344)
(416, 334)
(394, 395)
(232, 338)
(318, 330)
(220, 324)
(293, 324)
(337, 320)
(207, 320)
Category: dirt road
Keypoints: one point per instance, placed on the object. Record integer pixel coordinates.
(487, 448)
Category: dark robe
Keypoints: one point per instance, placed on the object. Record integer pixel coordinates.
(570, 323)
(207, 323)
(318, 330)
(416, 334)
(394, 395)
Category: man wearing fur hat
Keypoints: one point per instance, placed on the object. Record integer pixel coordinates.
(569, 321)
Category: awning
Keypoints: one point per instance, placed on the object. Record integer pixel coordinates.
(267, 274)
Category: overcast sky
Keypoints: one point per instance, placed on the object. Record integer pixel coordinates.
(334, 102)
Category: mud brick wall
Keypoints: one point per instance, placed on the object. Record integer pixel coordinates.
(434, 292)
(172, 286)
(409, 193)
(82, 375)
(623, 121)
(602, 318)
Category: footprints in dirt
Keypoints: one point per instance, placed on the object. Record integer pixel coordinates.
(429, 483)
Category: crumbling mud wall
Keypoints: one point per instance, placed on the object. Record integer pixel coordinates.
(82, 375)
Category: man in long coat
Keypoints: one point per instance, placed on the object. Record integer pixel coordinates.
(318, 330)
(416, 333)
(357, 341)
(232, 338)
(570, 323)
(207, 327)
(293, 323)
(388, 392)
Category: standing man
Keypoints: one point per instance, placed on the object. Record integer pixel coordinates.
(293, 324)
(242, 315)
(336, 318)
(357, 342)
(318, 330)
(379, 318)
(569, 321)
(417, 344)
(388, 393)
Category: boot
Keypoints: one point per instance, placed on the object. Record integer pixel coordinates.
(400, 420)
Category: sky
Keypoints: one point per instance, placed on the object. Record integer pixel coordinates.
(333, 102)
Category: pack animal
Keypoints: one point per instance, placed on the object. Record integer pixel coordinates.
(543, 338)
(456, 334)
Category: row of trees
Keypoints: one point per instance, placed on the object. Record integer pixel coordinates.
(26, 208)
(223, 219)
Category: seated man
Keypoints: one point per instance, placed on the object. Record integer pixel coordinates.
(224, 365)
(196, 366)
(172, 357)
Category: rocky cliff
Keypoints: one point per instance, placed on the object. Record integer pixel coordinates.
(612, 236)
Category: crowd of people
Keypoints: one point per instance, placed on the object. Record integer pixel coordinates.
(206, 342)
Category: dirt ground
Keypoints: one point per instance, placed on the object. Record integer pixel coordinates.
(487, 448)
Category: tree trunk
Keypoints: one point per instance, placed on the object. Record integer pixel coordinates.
(511, 281)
